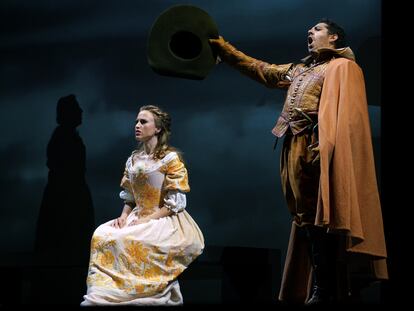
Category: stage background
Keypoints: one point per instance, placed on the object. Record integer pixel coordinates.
(97, 51)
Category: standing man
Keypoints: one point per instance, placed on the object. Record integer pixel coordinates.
(337, 243)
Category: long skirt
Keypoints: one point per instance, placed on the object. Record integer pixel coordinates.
(139, 264)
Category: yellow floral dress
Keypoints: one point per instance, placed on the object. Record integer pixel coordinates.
(140, 264)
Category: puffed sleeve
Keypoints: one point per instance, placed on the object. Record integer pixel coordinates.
(175, 200)
(176, 177)
(126, 193)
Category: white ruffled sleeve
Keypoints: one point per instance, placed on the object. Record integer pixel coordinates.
(175, 200)
(126, 196)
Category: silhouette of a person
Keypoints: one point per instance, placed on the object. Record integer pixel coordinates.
(66, 217)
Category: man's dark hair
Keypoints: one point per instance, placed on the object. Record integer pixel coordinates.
(335, 29)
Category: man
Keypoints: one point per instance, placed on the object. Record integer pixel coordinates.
(327, 168)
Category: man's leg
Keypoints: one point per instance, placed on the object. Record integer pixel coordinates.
(323, 256)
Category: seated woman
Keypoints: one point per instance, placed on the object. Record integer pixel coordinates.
(136, 258)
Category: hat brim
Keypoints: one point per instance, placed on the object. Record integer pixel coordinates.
(178, 43)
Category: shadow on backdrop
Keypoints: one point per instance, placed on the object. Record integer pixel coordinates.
(66, 217)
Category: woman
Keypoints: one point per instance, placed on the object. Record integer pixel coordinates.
(136, 258)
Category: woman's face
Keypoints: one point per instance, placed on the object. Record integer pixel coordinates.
(145, 127)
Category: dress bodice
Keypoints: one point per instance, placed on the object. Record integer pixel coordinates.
(148, 179)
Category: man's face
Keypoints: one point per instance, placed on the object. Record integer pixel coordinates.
(318, 37)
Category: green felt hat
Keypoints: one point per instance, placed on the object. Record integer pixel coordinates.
(178, 43)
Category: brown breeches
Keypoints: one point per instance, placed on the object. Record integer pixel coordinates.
(300, 171)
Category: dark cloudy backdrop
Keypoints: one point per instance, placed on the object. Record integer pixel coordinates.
(97, 51)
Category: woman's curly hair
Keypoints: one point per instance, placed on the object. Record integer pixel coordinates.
(163, 122)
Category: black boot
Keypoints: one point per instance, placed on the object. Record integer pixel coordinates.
(323, 264)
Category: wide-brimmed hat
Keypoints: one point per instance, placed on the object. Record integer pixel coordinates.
(178, 43)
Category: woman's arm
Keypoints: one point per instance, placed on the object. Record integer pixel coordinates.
(121, 220)
(162, 212)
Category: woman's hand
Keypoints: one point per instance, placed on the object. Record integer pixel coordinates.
(119, 222)
(138, 221)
